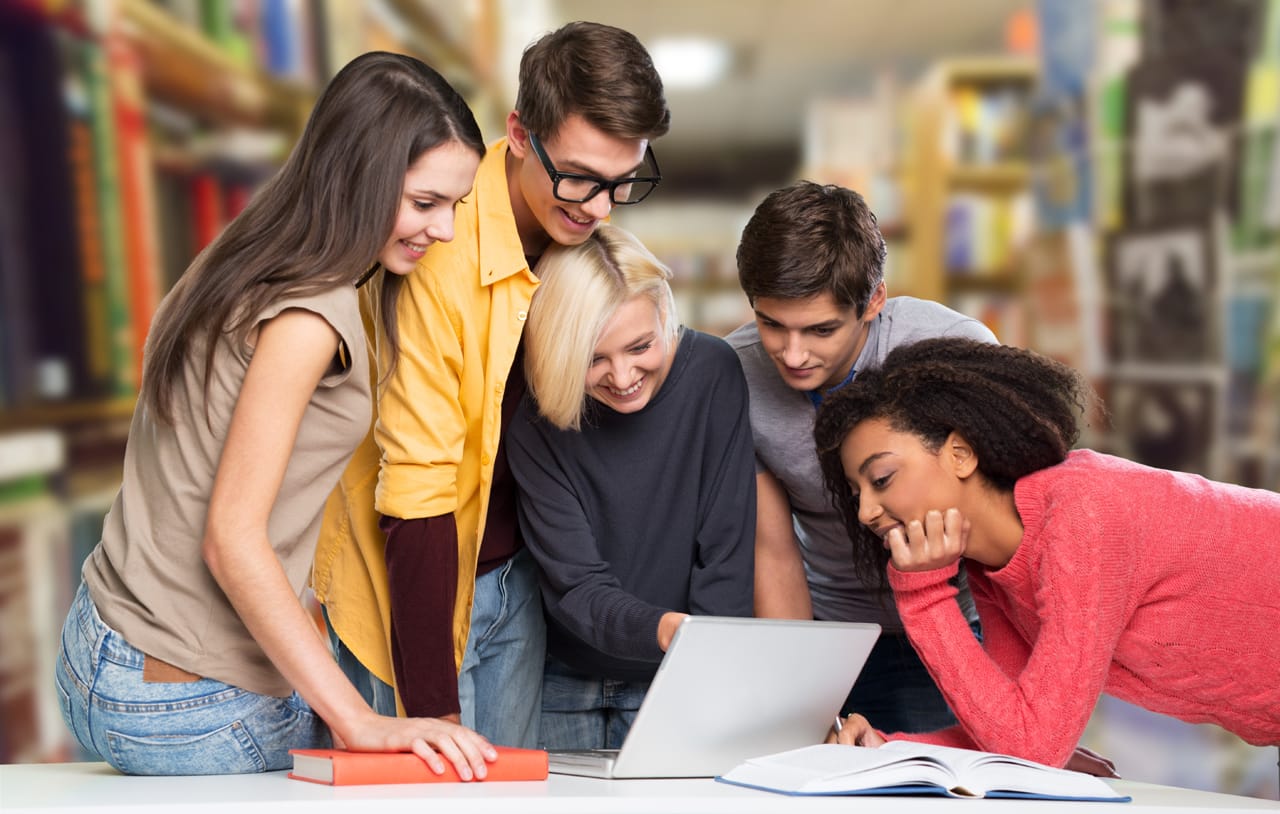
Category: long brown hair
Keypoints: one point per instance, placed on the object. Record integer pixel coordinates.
(321, 221)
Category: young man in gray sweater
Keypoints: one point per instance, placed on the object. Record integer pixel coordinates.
(811, 261)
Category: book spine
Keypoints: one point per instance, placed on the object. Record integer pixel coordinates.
(137, 187)
(206, 208)
(17, 333)
(124, 379)
(88, 225)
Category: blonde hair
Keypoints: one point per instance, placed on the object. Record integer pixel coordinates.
(582, 288)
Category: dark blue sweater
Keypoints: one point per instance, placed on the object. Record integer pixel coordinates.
(640, 514)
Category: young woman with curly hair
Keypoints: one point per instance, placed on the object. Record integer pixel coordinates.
(1090, 573)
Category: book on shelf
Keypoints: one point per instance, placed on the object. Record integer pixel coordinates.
(106, 173)
(983, 232)
(137, 188)
(987, 123)
(92, 262)
(206, 207)
(1004, 312)
(17, 334)
(41, 308)
(904, 767)
(33, 535)
(340, 767)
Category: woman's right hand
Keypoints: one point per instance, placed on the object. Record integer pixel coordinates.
(428, 738)
(855, 730)
(935, 543)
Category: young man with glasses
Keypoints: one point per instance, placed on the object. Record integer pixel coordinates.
(421, 567)
(811, 262)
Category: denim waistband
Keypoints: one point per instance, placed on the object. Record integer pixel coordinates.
(91, 625)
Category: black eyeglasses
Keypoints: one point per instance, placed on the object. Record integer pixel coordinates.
(572, 187)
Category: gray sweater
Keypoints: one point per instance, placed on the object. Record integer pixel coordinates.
(641, 514)
(782, 425)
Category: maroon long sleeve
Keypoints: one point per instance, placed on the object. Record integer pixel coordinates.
(422, 567)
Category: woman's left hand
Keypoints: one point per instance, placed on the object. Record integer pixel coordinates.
(1090, 762)
(936, 543)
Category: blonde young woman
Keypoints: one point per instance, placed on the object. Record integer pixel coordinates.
(636, 475)
(187, 650)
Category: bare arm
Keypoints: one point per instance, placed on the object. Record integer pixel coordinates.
(782, 591)
(293, 351)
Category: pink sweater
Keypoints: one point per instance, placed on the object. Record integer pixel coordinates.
(1159, 588)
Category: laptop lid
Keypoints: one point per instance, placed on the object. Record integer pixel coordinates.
(733, 688)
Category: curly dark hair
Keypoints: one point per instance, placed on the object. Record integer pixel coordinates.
(1020, 412)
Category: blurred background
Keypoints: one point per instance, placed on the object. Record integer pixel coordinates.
(1096, 179)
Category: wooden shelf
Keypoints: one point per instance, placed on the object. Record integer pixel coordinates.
(985, 281)
(896, 231)
(987, 70)
(437, 46)
(63, 414)
(937, 177)
(184, 68)
(1011, 175)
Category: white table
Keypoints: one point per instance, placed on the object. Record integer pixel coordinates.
(58, 788)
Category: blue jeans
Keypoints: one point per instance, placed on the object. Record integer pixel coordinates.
(378, 694)
(500, 683)
(895, 692)
(197, 727)
(581, 712)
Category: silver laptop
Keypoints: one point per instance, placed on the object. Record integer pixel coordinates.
(733, 688)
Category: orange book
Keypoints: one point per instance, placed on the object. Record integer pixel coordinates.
(339, 767)
(136, 187)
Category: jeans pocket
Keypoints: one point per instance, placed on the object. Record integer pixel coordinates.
(226, 750)
(73, 703)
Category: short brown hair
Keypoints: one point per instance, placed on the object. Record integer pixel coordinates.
(597, 71)
(807, 239)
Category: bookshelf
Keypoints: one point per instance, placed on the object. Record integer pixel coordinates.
(966, 187)
(143, 127)
(697, 241)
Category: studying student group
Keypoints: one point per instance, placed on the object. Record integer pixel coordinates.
(467, 415)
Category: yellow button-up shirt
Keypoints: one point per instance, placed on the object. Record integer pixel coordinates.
(431, 448)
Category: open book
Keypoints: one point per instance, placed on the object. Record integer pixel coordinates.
(903, 767)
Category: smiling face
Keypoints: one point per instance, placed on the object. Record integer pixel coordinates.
(433, 185)
(896, 478)
(631, 359)
(814, 341)
(577, 147)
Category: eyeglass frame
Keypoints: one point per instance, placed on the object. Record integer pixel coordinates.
(602, 184)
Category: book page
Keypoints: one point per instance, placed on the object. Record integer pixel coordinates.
(985, 772)
(834, 768)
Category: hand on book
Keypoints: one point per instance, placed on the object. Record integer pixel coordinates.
(428, 738)
(1090, 762)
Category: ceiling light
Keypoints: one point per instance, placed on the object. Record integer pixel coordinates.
(690, 62)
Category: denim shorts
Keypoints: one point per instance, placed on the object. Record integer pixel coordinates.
(183, 728)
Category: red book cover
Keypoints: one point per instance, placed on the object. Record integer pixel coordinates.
(339, 767)
(136, 187)
(206, 208)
